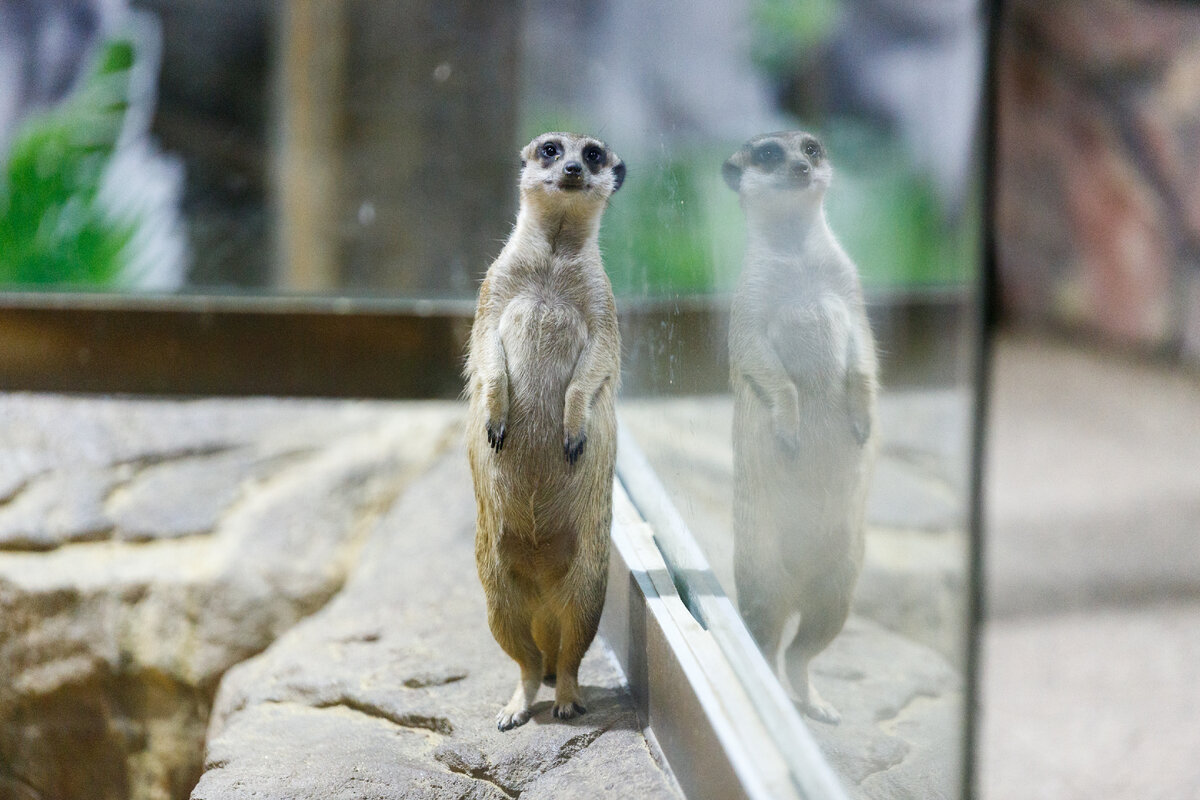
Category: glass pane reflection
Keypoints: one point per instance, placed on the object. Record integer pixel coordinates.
(368, 148)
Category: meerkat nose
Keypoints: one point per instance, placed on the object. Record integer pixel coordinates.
(801, 168)
(573, 168)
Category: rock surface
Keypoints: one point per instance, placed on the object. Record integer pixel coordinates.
(914, 571)
(392, 689)
(902, 715)
(146, 547)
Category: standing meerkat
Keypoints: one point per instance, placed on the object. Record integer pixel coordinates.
(542, 375)
(803, 369)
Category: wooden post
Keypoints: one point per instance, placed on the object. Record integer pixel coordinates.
(308, 148)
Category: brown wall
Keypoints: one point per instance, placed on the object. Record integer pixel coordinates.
(1098, 211)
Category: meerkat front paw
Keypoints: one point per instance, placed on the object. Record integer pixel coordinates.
(786, 425)
(785, 418)
(495, 435)
(573, 446)
(861, 425)
(858, 397)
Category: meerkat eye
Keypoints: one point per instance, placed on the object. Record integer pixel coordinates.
(812, 149)
(550, 150)
(593, 155)
(769, 155)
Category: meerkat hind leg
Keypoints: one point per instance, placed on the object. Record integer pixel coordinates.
(820, 622)
(520, 707)
(578, 624)
(547, 635)
(805, 694)
(513, 633)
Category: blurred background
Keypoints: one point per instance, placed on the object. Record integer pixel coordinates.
(303, 147)
(1092, 630)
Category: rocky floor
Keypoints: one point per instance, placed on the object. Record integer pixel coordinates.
(271, 598)
(1091, 657)
(287, 586)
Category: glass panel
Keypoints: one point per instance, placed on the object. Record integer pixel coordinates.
(829, 490)
(797, 308)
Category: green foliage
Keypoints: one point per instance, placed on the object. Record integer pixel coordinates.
(889, 217)
(53, 230)
(784, 30)
(673, 228)
(676, 228)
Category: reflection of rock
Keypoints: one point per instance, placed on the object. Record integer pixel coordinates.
(902, 715)
(915, 583)
(914, 576)
(401, 666)
(118, 616)
(914, 572)
(892, 671)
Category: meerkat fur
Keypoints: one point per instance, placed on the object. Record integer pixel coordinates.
(804, 375)
(542, 374)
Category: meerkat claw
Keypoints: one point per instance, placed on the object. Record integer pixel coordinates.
(506, 721)
(495, 436)
(573, 447)
(568, 710)
(862, 430)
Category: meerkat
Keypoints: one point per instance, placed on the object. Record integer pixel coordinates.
(804, 376)
(542, 374)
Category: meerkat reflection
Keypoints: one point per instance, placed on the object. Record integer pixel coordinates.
(803, 369)
(542, 376)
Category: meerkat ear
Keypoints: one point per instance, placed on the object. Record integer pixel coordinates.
(732, 174)
(618, 175)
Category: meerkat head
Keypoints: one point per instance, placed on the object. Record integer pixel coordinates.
(567, 168)
(779, 172)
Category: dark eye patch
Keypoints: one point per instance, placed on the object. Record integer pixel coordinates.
(594, 156)
(767, 155)
(550, 150)
(812, 149)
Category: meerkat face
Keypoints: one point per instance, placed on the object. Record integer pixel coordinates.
(780, 169)
(563, 165)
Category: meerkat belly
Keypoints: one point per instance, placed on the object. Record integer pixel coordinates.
(542, 339)
(812, 338)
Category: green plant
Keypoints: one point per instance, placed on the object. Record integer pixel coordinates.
(784, 30)
(53, 229)
(676, 230)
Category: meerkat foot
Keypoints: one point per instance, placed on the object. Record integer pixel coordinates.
(520, 707)
(509, 718)
(567, 699)
(549, 679)
(495, 435)
(568, 710)
(819, 708)
(573, 447)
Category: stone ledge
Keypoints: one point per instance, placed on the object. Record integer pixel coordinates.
(392, 689)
